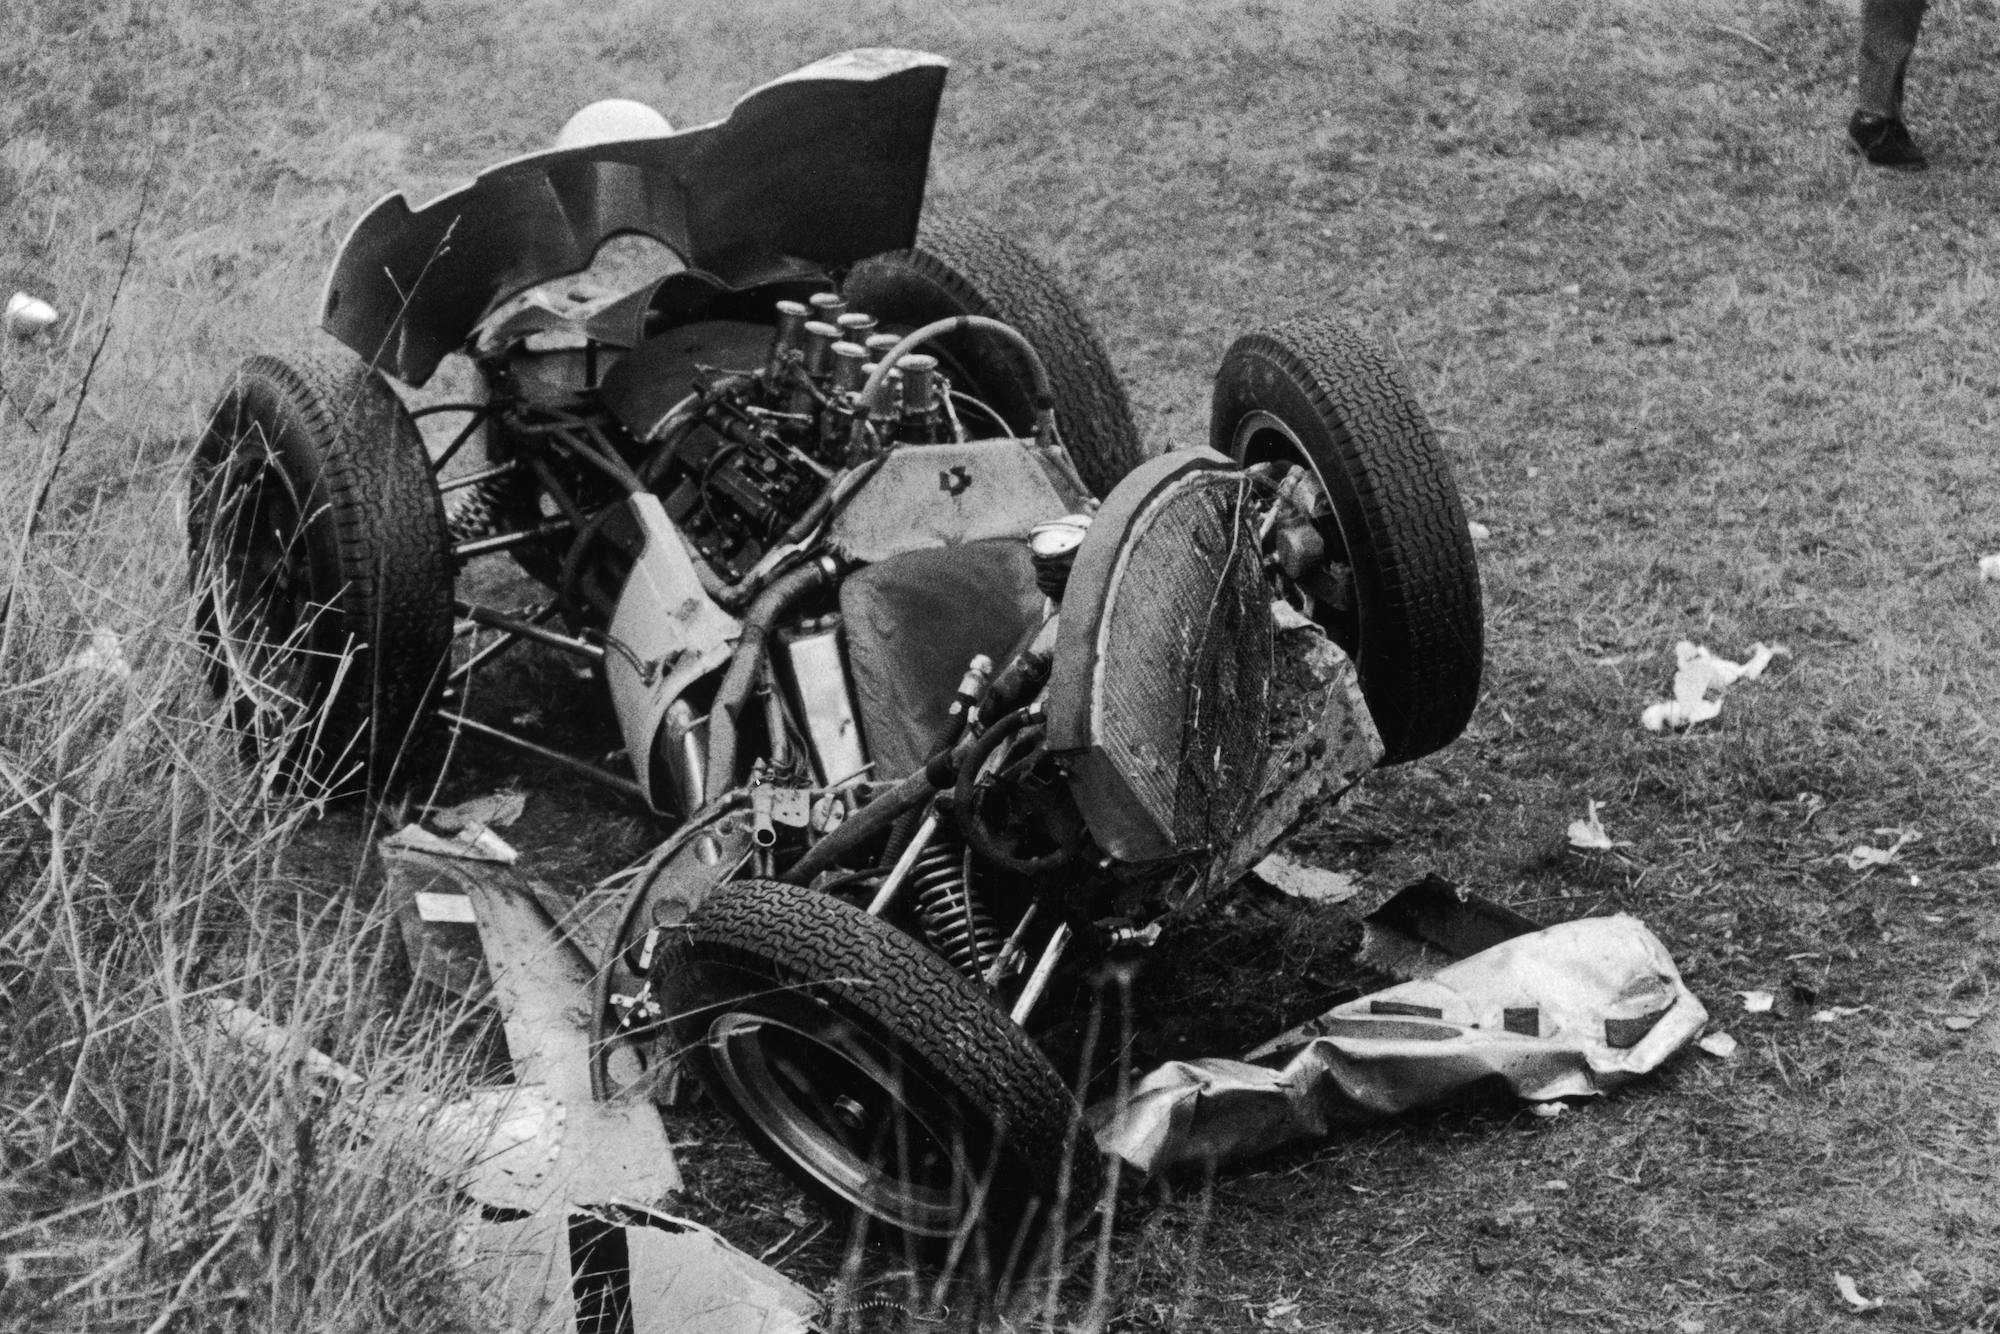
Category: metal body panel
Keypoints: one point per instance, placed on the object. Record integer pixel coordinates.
(665, 634)
(817, 169)
(925, 496)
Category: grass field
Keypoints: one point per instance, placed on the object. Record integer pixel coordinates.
(1700, 375)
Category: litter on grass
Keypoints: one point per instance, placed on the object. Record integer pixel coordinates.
(1588, 833)
(27, 315)
(495, 810)
(473, 843)
(1757, 1002)
(1989, 568)
(1572, 1010)
(1699, 673)
(1718, 1045)
(1312, 883)
(1851, 1294)
(1862, 857)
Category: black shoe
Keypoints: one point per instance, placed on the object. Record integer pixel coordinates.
(1885, 141)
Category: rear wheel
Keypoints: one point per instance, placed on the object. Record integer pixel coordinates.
(1369, 534)
(961, 268)
(875, 1075)
(320, 564)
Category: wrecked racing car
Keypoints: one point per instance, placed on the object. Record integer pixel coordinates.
(946, 678)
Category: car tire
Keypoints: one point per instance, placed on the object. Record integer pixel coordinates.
(962, 268)
(836, 1042)
(1315, 393)
(321, 568)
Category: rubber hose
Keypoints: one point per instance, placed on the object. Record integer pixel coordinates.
(780, 596)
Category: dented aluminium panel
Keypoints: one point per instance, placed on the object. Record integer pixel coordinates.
(665, 634)
(817, 169)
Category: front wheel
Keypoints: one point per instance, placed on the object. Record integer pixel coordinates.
(874, 1075)
(1368, 534)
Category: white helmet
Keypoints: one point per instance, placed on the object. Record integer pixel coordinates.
(612, 119)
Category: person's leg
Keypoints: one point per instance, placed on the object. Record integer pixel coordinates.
(1888, 35)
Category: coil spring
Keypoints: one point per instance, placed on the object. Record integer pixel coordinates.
(482, 509)
(958, 923)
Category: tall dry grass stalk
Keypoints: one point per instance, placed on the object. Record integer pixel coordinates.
(156, 1176)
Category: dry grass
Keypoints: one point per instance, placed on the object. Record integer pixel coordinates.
(1700, 376)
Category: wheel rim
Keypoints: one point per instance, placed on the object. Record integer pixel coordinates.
(831, 1107)
(259, 584)
(1263, 437)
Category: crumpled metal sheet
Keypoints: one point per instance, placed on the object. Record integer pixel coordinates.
(1569, 1011)
(622, 1269)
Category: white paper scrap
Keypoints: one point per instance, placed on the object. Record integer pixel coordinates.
(1989, 568)
(1852, 1295)
(1312, 883)
(1588, 833)
(1757, 1002)
(1862, 857)
(1718, 1044)
(104, 654)
(1700, 672)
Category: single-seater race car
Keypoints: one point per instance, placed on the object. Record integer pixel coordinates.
(943, 675)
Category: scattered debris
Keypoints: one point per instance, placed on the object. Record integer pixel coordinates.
(1426, 925)
(1958, 1023)
(1588, 833)
(1852, 1295)
(1863, 857)
(1757, 1002)
(1700, 672)
(27, 316)
(1479, 532)
(1547, 1111)
(495, 810)
(103, 655)
(1572, 1010)
(1719, 1045)
(474, 843)
(1312, 883)
(1834, 1013)
(1989, 568)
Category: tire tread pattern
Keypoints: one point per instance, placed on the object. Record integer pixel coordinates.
(371, 484)
(979, 271)
(1416, 574)
(946, 1028)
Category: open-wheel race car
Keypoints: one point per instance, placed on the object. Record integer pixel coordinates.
(944, 677)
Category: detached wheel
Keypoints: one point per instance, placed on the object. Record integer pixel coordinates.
(873, 1074)
(962, 268)
(320, 564)
(1368, 533)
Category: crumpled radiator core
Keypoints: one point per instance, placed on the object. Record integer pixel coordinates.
(1159, 702)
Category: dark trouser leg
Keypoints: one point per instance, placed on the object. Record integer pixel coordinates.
(1888, 35)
